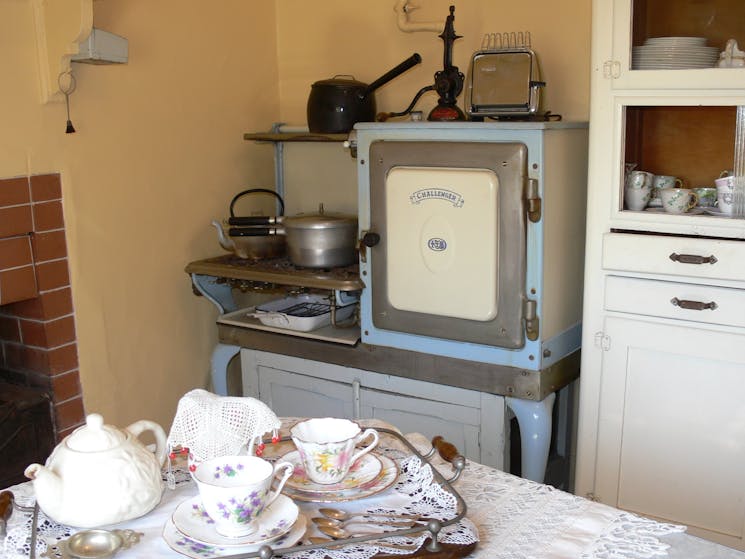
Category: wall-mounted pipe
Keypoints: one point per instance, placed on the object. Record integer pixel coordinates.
(402, 8)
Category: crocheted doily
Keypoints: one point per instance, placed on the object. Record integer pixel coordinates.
(210, 425)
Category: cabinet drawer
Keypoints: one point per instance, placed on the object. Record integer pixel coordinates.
(667, 299)
(655, 254)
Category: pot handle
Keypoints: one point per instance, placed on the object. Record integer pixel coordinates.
(256, 191)
(254, 220)
(410, 62)
(254, 231)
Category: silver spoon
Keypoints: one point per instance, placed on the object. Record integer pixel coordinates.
(338, 514)
(336, 545)
(341, 533)
(323, 521)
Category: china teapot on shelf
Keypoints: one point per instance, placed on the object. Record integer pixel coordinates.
(100, 474)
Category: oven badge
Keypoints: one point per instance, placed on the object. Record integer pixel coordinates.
(423, 194)
(436, 244)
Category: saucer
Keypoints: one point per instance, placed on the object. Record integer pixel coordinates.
(717, 212)
(276, 520)
(692, 211)
(388, 474)
(364, 470)
(192, 548)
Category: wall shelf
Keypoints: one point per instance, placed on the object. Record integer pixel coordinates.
(294, 137)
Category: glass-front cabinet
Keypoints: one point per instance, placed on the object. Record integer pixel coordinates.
(673, 83)
(663, 345)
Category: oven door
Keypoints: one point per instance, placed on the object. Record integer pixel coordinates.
(451, 259)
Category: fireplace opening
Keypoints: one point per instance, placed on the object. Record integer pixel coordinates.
(38, 344)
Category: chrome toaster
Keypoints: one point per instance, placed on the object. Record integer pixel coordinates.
(503, 79)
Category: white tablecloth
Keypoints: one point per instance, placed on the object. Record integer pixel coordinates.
(516, 519)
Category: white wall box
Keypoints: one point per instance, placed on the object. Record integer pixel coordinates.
(662, 397)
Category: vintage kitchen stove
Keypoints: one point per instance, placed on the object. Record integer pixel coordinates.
(470, 271)
(474, 238)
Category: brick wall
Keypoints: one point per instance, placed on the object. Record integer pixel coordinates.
(37, 319)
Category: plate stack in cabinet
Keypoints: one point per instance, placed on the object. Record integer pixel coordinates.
(662, 398)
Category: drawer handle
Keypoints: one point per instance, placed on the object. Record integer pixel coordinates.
(693, 259)
(693, 305)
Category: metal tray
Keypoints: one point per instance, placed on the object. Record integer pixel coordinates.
(431, 549)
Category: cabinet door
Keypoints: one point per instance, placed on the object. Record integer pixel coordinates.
(671, 430)
(457, 424)
(639, 24)
(291, 394)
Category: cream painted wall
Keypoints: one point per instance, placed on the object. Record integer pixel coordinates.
(158, 153)
(319, 39)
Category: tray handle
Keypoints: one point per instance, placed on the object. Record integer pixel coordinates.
(449, 453)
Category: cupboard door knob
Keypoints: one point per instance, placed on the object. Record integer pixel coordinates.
(693, 259)
(693, 305)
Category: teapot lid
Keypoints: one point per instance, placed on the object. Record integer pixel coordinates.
(95, 436)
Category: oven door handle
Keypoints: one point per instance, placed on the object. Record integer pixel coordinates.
(368, 240)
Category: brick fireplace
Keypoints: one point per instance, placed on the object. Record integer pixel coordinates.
(38, 346)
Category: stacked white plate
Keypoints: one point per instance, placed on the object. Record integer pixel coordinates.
(668, 53)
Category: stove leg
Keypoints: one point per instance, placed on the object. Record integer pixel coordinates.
(221, 356)
(534, 419)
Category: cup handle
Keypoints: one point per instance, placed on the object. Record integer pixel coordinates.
(693, 201)
(289, 469)
(678, 183)
(367, 433)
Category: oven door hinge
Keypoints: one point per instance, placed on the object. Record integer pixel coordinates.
(531, 319)
(533, 200)
(602, 341)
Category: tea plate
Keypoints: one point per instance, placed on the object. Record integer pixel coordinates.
(192, 548)
(192, 520)
(385, 478)
(365, 469)
(717, 212)
(658, 210)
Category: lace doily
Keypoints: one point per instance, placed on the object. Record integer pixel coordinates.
(416, 487)
(210, 425)
(521, 519)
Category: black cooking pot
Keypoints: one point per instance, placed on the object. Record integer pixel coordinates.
(335, 105)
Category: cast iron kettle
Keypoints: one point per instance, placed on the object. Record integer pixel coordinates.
(336, 104)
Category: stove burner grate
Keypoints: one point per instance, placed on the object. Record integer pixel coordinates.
(305, 310)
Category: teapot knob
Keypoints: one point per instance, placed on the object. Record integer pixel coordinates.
(94, 420)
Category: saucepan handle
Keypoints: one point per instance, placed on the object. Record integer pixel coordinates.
(254, 231)
(254, 220)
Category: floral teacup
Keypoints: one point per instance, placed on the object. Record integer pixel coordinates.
(326, 446)
(235, 490)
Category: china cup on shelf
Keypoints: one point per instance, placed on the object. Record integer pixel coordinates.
(678, 200)
(726, 194)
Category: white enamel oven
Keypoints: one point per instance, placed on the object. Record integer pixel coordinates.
(472, 238)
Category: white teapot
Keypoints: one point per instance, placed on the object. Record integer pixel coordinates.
(100, 474)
